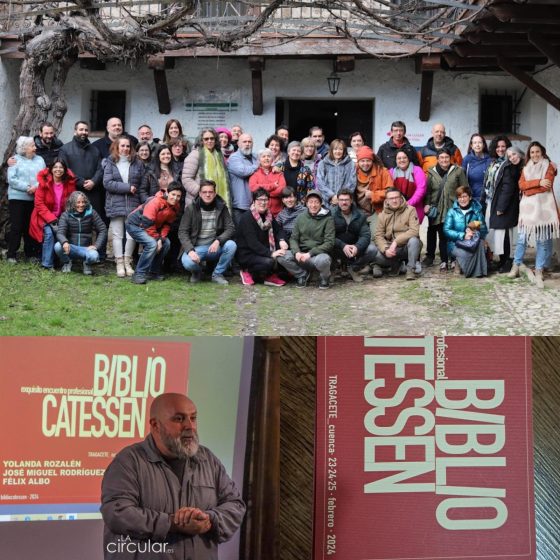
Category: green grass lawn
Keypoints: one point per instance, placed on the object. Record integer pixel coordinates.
(37, 302)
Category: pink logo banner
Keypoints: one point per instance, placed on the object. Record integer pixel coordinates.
(424, 449)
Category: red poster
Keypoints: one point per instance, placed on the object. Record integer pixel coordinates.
(424, 449)
(68, 405)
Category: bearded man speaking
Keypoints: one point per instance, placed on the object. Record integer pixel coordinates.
(168, 498)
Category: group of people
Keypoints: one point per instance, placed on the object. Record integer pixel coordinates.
(292, 209)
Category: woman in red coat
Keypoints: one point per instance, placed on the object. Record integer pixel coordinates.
(271, 179)
(56, 184)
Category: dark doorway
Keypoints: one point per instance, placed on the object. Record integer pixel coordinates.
(337, 117)
(107, 104)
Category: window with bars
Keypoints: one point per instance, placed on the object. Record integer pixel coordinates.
(498, 113)
(104, 105)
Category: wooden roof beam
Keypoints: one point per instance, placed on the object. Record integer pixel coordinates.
(492, 25)
(344, 63)
(426, 89)
(481, 51)
(527, 14)
(427, 63)
(256, 65)
(530, 82)
(545, 45)
(508, 39)
(545, 2)
(488, 63)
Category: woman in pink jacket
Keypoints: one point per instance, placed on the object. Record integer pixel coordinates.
(410, 179)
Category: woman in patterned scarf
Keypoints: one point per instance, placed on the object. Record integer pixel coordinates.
(259, 243)
(206, 161)
(538, 212)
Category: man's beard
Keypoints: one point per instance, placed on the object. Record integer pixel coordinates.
(246, 151)
(176, 446)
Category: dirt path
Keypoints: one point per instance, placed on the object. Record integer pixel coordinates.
(391, 306)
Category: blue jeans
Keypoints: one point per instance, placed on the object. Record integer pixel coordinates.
(89, 256)
(223, 255)
(150, 260)
(47, 256)
(544, 252)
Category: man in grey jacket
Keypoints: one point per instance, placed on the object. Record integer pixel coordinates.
(241, 165)
(168, 497)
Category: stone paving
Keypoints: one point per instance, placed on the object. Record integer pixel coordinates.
(434, 304)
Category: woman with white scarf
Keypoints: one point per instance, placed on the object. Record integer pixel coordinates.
(538, 212)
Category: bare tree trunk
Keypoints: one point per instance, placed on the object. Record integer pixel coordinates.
(58, 97)
(42, 52)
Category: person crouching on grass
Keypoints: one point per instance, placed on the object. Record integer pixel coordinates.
(260, 243)
(149, 225)
(75, 233)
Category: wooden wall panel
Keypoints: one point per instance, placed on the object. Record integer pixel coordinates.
(297, 425)
(546, 428)
(297, 401)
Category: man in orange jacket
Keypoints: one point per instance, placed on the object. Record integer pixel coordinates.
(149, 225)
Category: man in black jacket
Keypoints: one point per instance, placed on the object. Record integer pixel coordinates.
(84, 159)
(48, 145)
(113, 131)
(352, 244)
(206, 233)
(387, 152)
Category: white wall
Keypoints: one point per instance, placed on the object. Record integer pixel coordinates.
(392, 83)
(9, 99)
(551, 79)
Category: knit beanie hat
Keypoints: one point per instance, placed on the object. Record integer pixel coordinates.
(225, 130)
(364, 152)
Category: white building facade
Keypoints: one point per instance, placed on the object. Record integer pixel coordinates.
(218, 92)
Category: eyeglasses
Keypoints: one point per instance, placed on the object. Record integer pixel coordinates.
(208, 138)
(262, 199)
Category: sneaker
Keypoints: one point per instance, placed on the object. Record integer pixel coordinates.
(443, 267)
(324, 284)
(11, 260)
(356, 276)
(196, 277)
(456, 268)
(156, 277)
(301, 281)
(87, 269)
(273, 280)
(67, 267)
(377, 272)
(138, 278)
(410, 274)
(219, 279)
(428, 261)
(418, 268)
(402, 269)
(246, 278)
